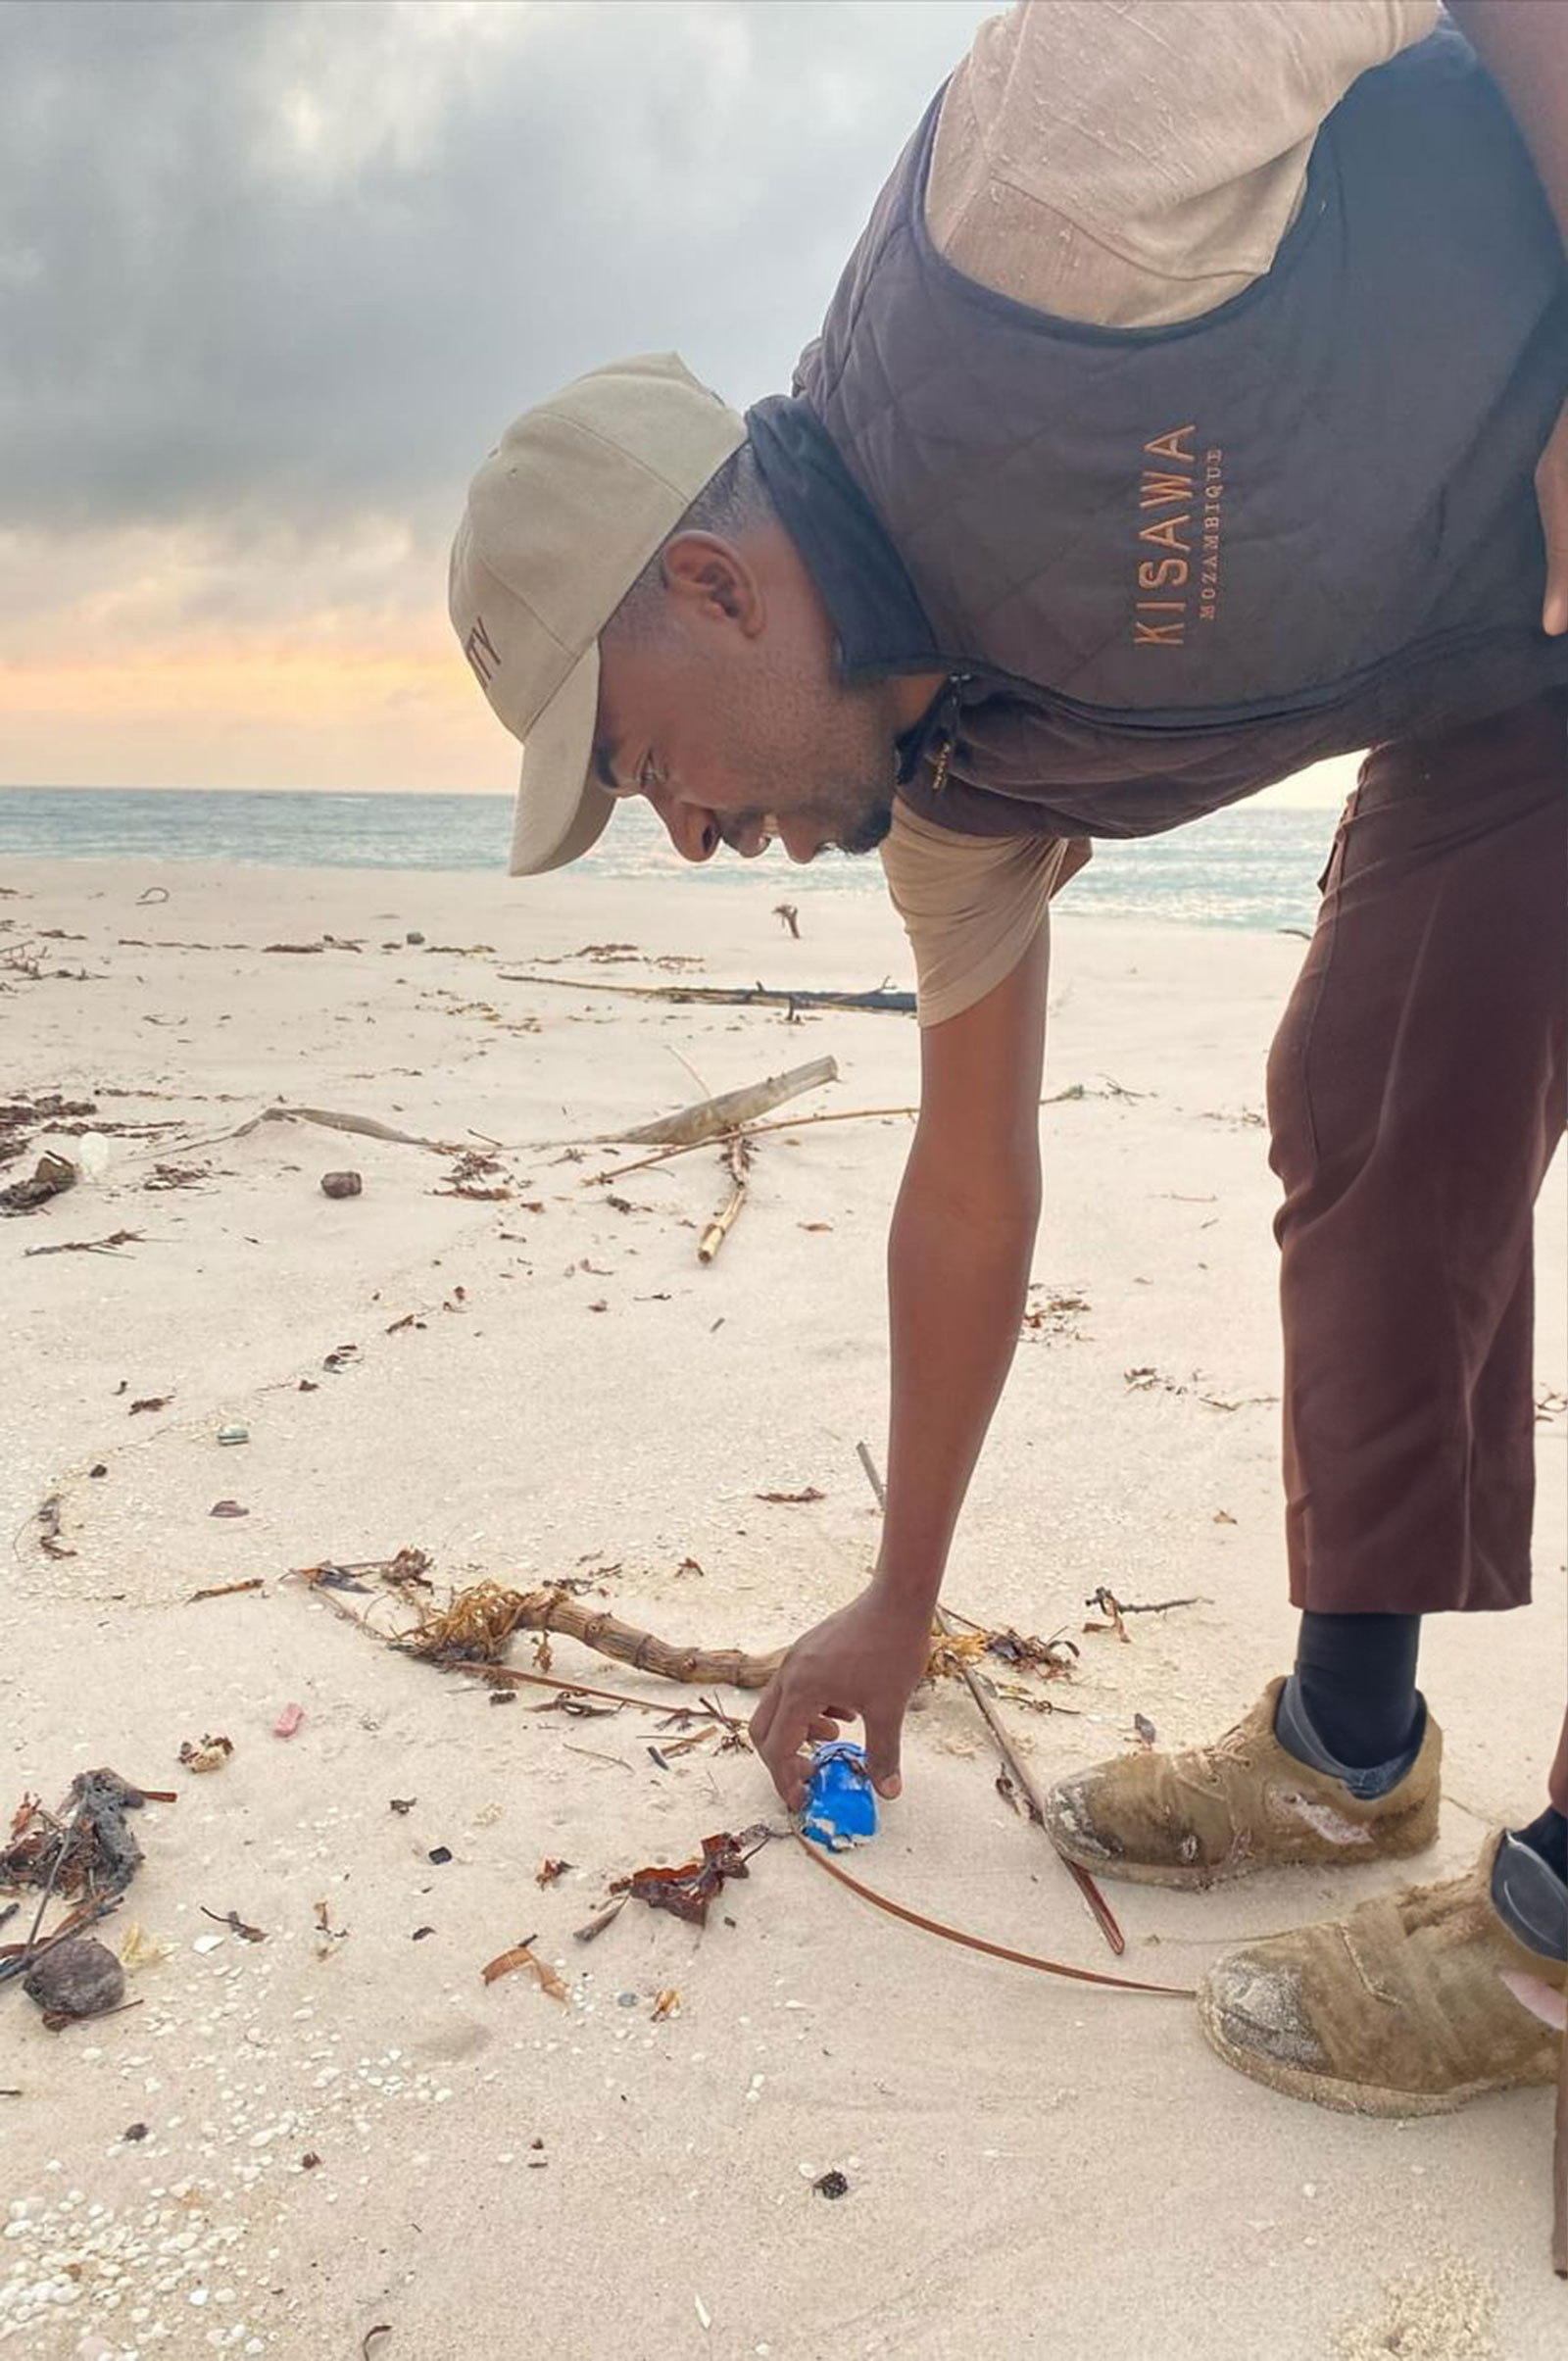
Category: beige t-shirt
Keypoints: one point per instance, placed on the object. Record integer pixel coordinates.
(1128, 163)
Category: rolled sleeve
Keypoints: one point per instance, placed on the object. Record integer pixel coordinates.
(971, 906)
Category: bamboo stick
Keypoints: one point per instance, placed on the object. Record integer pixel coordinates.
(719, 1228)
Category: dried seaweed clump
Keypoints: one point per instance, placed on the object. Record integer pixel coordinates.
(472, 1628)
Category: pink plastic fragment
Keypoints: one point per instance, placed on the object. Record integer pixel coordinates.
(288, 1721)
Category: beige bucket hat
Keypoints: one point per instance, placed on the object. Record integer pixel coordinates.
(562, 519)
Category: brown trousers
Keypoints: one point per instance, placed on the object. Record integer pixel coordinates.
(1417, 1096)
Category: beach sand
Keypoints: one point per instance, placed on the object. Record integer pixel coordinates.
(1034, 2167)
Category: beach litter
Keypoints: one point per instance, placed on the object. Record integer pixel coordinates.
(48, 1515)
(522, 1956)
(234, 1434)
(840, 1808)
(51, 1176)
(236, 1925)
(140, 1949)
(689, 1890)
(288, 1721)
(209, 1755)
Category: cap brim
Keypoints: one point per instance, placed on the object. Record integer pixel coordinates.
(562, 808)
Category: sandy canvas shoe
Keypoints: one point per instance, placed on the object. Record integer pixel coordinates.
(1414, 2004)
(1244, 1803)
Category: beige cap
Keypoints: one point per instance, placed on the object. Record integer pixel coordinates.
(562, 519)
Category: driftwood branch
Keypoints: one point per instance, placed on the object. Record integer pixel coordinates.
(508, 1676)
(762, 995)
(607, 1636)
(1011, 1765)
(711, 1118)
(477, 1624)
(363, 1126)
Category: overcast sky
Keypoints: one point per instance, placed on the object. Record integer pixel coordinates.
(273, 274)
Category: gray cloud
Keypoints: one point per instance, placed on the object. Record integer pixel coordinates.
(280, 270)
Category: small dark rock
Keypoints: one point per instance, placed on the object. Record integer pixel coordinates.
(440, 1855)
(308, 2161)
(341, 1184)
(403, 1803)
(502, 1696)
(99, 1470)
(420, 1934)
(80, 1977)
(414, 937)
(134, 2131)
(831, 2185)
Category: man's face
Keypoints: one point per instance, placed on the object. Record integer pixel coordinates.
(723, 708)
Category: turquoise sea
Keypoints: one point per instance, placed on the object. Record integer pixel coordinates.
(1248, 867)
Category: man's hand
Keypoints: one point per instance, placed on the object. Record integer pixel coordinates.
(1551, 490)
(864, 1661)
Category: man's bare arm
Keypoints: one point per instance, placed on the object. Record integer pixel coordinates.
(958, 1257)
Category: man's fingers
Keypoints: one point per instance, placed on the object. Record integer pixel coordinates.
(882, 1753)
(1551, 492)
(1555, 606)
(762, 1719)
(1554, 611)
(779, 1729)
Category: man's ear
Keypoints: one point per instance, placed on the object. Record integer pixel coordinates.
(713, 581)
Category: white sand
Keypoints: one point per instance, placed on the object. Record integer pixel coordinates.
(1033, 2168)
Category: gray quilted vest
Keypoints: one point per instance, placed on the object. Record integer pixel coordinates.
(1201, 555)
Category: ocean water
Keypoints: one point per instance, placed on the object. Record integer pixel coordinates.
(1246, 868)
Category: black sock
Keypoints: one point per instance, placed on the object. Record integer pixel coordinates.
(1549, 1836)
(1355, 1674)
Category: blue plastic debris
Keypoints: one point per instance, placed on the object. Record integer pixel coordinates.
(839, 1800)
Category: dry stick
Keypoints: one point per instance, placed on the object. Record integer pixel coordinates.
(226, 1590)
(724, 1221)
(1150, 1607)
(714, 996)
(977, 1942)
(849, 1115)
(55, 1867)
(753, 1131)
(1013, 1766)
(18, 1959)
(1560, 2173)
